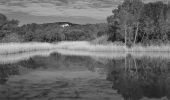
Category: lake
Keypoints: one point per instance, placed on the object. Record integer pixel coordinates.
(80, 75)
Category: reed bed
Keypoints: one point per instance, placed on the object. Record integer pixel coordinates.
(139, 48)
(87, 46)
(10, 48)
(111, 47)
(14, 58)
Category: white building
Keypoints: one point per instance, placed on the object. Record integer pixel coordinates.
(65, 25)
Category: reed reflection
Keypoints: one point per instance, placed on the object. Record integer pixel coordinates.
(132, 77)
(136, 78)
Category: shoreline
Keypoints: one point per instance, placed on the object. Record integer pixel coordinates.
(111, 47)
(13, 58)
(11, 48)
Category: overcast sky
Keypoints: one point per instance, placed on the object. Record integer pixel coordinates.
(43, 11)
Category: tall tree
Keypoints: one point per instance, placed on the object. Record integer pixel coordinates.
(3, 20)
(128, 15)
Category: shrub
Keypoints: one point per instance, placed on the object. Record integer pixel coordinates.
(13, 37)
(101, 40)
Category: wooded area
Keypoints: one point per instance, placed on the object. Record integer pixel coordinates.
(48, 32)
(132, 22)
(138, 22)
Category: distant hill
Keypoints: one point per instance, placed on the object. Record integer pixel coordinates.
(61, 31)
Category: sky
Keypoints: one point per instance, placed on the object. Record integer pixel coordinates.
(47, 11)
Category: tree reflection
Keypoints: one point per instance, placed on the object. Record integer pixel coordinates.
(6, 71)
(55, 62)
(137, 78)
(133, 78)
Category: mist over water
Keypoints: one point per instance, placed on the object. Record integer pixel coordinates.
(84, 76)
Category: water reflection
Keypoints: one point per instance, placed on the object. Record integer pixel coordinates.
(140, 78)
(6, 71)
(65, 77)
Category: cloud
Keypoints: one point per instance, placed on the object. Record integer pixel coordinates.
(99, 9)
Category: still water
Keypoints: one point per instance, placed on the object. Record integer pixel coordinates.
(83, 76)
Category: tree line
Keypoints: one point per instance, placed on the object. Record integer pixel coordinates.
(10, 31)
(137, 22)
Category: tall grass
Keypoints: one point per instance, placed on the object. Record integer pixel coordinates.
(14, 58)
(101, 40)
(111, 47)
(152, 48)
(8, 48)
(87, 46)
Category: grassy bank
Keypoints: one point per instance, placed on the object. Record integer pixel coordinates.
(111, 47)
(87, 46)
(8, 48)
(14, 58)
(151, 48)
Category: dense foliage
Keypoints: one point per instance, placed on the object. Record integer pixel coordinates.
(48, 32)
(135, 21)
(8, 28)
(132, 22)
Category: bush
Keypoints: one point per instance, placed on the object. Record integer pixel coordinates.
(101, 40)
(13, 37)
